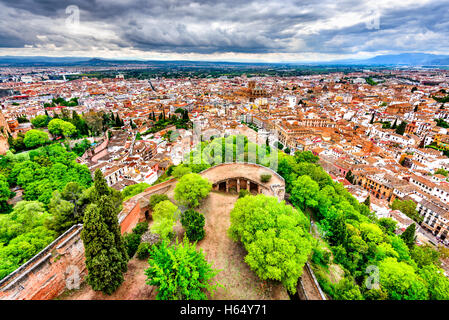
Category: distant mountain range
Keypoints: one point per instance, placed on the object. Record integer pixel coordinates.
(406, 59)
(403, 59)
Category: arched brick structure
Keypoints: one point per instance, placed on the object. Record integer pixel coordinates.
(229, 177)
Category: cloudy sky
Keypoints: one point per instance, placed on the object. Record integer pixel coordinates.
(232, 30)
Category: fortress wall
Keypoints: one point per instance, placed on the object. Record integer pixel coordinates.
(99, 155)
(134, 208)
(57, 267)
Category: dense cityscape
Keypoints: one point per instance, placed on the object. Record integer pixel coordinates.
(209, 151)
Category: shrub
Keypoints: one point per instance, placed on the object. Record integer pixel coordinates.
(180, 272)
(244, 193)
(132, 242)
(193, 222)
(321, 256)
(141, 228)
(265, 177)
(164, 219)
(156, 198)
(143, 251)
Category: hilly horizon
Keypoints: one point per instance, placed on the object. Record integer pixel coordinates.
(402, 59)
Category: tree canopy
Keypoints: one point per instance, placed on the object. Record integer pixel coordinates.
(191, 189)
(35, 138)
(275, 236)
(60, 127)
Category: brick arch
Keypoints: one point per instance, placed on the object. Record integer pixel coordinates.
(239, 183)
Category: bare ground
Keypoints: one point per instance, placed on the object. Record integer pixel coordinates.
(133, 288)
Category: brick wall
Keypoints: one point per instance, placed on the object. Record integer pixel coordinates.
(58, 267)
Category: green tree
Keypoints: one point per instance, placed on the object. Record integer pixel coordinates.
(306, 156)
(442, 172)
(425, 255)
(132, 190)
(409, 236)
(156, 198)
(165, 215)
(5, 194)
(35, 138)
(400, 281)
(346, 289)
(180, 171)
(132, 242)
(105, 252)
(304, 193)
(62, 214)
(275, 237)
(26, 216)
(388, 224)
(407, 207)
(394, 124)
(401, 128)
(60, 127)
(193, 223)
(191, 189)
(367, 201)
(40, 121)
(349, 177)
(437, 282)
(180, 272)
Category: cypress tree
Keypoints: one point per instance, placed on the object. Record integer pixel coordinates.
(185, 115)
(349, 177)
(395, 123)
(105, 252)
(372, 119)
(409, 236)
(401, 128)
(367, 201)
(118, 122)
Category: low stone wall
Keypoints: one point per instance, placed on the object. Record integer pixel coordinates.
(58, 267)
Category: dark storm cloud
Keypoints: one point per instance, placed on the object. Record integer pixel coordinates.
(181, 26)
